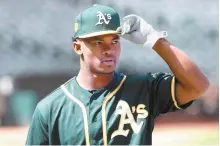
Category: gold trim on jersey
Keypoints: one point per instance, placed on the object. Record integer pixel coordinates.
(107, 98)
(85, 118)
(173, 86)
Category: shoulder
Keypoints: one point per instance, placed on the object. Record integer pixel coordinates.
(53, 101)
(141, 78)
(135, 81)
(136, 78)
(51, 98)
(146, 79)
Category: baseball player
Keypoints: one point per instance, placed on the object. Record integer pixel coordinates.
(100, 106)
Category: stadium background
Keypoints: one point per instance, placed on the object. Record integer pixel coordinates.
(36, 57)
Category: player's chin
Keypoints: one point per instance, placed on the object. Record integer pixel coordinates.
(107, 70)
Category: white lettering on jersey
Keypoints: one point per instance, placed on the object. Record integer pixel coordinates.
(102, 18)
(123, 109)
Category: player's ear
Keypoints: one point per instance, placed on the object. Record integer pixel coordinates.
(77, 46)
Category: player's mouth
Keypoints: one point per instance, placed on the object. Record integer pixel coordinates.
(109, 61)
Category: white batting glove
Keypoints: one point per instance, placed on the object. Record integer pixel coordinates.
(137, 30)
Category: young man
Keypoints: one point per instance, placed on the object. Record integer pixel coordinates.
(102, 107)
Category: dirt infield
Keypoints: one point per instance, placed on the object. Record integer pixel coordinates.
(195, 134)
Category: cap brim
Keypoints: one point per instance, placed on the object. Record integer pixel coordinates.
(98, 33)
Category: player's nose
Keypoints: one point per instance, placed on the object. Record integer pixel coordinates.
(108, 50)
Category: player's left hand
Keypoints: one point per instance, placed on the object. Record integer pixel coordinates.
(137, 30)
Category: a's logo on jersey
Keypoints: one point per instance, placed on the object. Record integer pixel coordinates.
(102, 18)
(123, 109)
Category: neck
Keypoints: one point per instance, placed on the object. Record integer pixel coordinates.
(92, 81)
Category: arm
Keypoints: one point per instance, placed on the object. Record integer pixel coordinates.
(191, 81)
(38, 130)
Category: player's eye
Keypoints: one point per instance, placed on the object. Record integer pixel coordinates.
(98, 43)
(115, 41)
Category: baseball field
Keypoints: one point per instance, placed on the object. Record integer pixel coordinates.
(195, 134)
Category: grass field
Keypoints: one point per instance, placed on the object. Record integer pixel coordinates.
(195, 134)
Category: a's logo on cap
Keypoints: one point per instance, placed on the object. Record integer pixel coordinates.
(102, 18)
(75, 26)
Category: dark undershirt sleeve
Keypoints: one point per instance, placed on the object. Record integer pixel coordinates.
(162, 93)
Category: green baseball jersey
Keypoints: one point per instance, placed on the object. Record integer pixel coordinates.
(121, 113)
